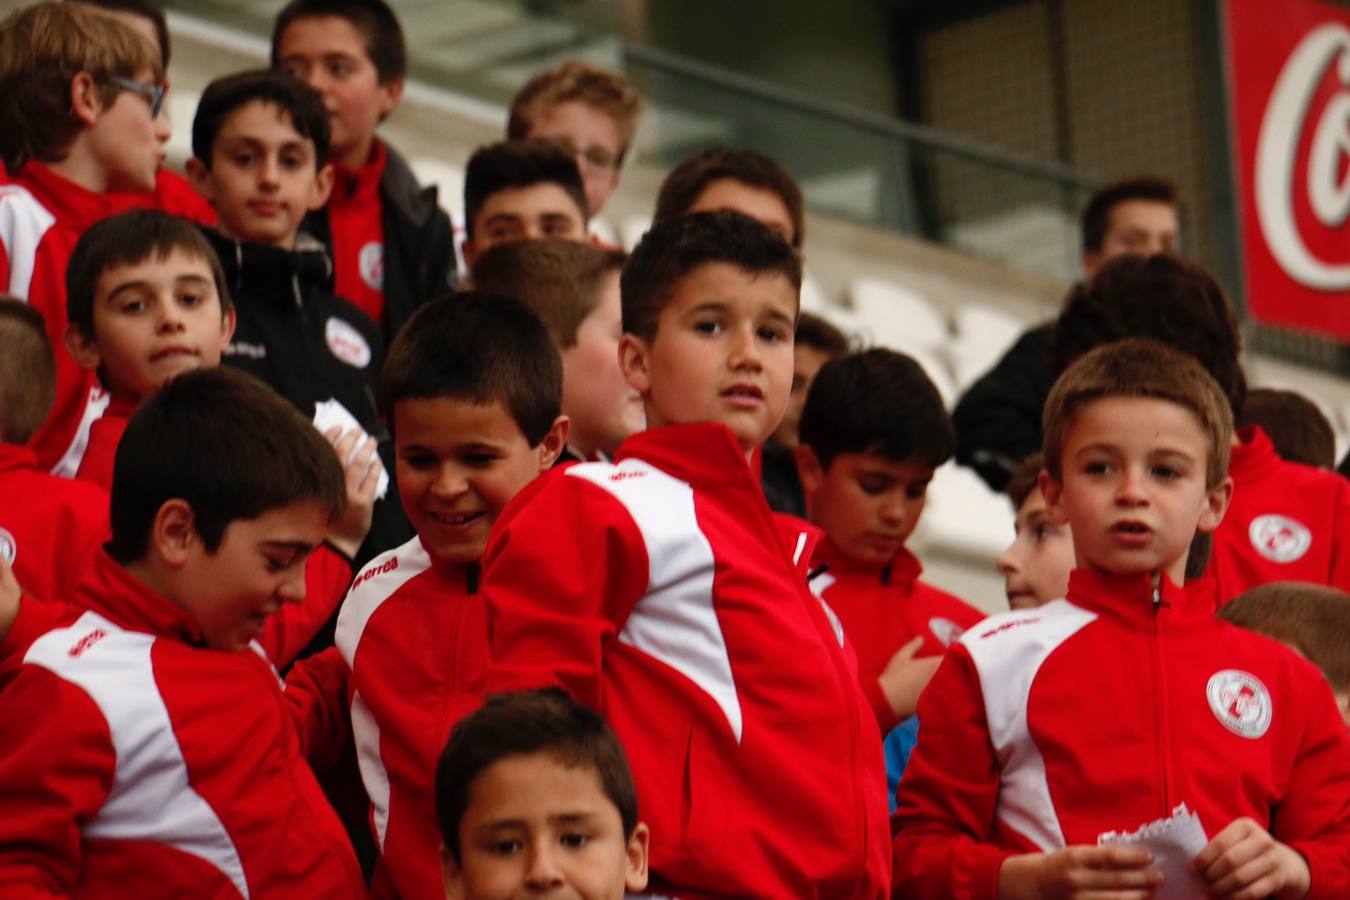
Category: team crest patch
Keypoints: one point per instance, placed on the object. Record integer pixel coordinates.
(9, 548)
(1240, 701)
(346, 343)
(371, 262)
(945, 630)
(1279, 538)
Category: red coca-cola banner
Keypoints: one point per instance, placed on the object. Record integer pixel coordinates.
(1289, 74)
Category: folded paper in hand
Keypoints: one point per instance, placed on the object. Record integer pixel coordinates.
(1174, 841)
(332, 414)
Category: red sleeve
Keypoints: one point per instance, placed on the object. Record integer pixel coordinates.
(1314, 815)
(328, 574)
(316, 693)
(55, 773)
(563, 568)
(944, 819)
(1340, 538)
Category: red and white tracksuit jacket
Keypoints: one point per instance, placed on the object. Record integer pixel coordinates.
(884, 607)
(137, 763)
(96, 465)
(413, 632)
(42, 215)
(661, 590)
(50, 528)
(1287, 522)
(1045, 728)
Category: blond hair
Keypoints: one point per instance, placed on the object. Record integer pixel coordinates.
(1139, 367)
(42, 49)
(609, 92)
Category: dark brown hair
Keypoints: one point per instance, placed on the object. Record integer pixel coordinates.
(1296, 427)
(1023, 480)
(1096, 219)
(27, 371)
(222, 97)
(519, 164)
(687, 182)
(374, 19)
(229, 446)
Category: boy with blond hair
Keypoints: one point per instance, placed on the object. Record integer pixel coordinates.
(81, 119)
(1053, 737)
(471, 392)
(674, 602)
(589, 111)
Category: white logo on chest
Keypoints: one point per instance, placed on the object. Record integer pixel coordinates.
(1279, 538)
(346, 343)
(945, 630)
(9, 548)
(1240, 702)
(371, 263)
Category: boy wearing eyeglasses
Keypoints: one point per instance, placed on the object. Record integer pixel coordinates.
(590, 112)
(80, 122)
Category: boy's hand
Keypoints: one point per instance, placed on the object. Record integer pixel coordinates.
(363, 476)
(9, 598)
(1080, 872)
(1244, 862)
(904, 678)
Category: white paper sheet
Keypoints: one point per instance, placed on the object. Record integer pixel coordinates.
(332, 414)
(1174, 841)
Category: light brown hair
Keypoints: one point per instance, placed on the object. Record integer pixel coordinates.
(609, 92)
(560, 280)
(1023, 480)
(1139, 367)
(1310, 617)
(27, 371)
(42, 49)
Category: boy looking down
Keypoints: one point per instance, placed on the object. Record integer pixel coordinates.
(676, 603)
(1045, 731)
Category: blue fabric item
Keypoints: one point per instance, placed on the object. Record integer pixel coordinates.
(899, 744)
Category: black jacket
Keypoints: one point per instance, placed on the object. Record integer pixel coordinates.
(419, 243)
(310, 346)
(998, 420)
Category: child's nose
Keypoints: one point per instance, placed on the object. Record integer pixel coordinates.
(543, 870)
(744, 348)
(449, 483)
(1130, 489)
(292, 590)
(1007, 561)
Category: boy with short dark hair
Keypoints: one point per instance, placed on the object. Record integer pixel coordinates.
(1287, 522)
(672, 598)
(1086, 721)
(158, 754)
(590, 111)
(260, 155)
(521, 190)
(1036, 565)
(471, 392)
(146, 300)
(1312, 619)
(68, 139)
(746, 181)
(49, 526)
(392, 246)
(574, 288)
(540, 770)
(872, 433)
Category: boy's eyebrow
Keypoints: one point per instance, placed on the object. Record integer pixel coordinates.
(296, 143)
(298, 547)
(567, 818)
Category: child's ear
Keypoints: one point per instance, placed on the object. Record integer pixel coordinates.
(635, 873)
(553, 443)
(173, 532)
(809, 469)
(227, 325)
(85, 104)
(1053, 492)
(391, 92)
(633, 360)
(83, 348)
(450, 880)
(323, 186)
(1216, 504)
(199, 176)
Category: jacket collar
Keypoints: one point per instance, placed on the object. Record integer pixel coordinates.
(1255, 454)
(901, 571)
(112, 591)
(14, 457)
(72, 204)
(704, 454)
(399, 188)
(1133, 599)
(362, 184)
(262, 272)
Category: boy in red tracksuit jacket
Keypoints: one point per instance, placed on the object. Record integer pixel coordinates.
(1287, 522)
(872, 432)
(1047, 730)
(472, 390)
(67, 141)
(158, 755)
(49, 526)
(661, 590)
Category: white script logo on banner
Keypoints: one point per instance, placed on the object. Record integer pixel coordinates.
(1276, 149)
